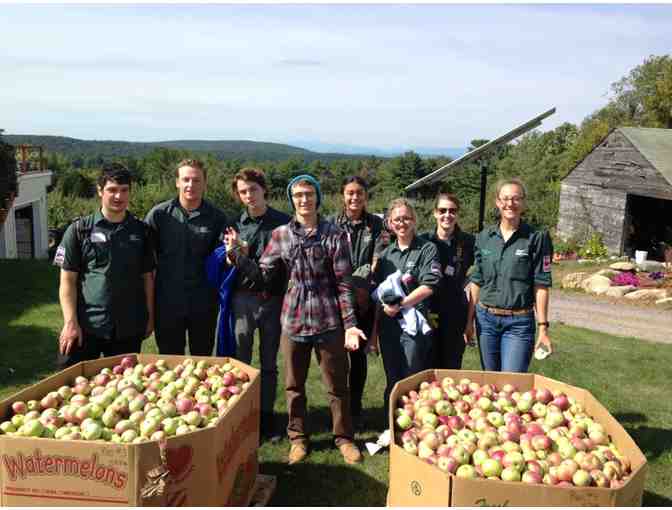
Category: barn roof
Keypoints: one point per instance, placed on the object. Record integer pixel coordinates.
(655, 145)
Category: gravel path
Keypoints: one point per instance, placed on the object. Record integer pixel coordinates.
(646, 322)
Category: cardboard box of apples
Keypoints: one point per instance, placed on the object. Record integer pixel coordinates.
(133, 430)
(470, 438)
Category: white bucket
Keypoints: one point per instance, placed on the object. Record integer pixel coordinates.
(640, 256)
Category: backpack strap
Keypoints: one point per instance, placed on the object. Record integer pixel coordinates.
(83, 227)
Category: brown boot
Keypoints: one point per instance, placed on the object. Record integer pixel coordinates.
(297, 452)
(350, 452)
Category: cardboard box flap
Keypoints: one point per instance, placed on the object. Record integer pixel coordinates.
(37, 391)
(416, 483)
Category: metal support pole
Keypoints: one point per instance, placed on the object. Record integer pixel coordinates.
(484, 183)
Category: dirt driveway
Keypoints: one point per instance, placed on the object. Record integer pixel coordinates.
(646, 322)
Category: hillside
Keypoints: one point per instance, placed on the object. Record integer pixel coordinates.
(223, 149)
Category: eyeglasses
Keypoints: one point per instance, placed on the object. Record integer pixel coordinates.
(401, 219)
(303, 194)
(514, 199)
(444, 210)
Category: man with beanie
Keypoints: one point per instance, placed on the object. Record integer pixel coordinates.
(317, 313)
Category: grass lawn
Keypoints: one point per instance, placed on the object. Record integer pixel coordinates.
(630, 377)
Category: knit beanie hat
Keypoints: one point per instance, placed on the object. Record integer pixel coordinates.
(310, 179)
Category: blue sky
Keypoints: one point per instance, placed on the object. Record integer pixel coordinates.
(370, 75)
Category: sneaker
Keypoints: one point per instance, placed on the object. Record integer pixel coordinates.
(272, 437)
(350, 452)
(297, 452)
(269, 431)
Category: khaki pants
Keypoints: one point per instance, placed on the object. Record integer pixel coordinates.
(332, 358)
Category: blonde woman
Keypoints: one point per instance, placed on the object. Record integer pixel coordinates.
(511, 284)
(416, 259)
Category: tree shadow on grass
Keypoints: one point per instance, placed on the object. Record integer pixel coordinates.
(653, 442)
(28, 350)
(319, 420)
(653, 499)
(28, 355)
(310, 484)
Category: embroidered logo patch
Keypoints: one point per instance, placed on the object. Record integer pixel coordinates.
(60, 256)
(521, 253)
(134, 237)
(98, 237)
(449, 271)
(547, 263)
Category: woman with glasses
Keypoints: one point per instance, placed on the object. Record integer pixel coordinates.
(450, 304)
(366, 239)
(511, 284)
(404, 348)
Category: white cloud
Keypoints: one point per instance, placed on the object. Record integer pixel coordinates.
(381, 75)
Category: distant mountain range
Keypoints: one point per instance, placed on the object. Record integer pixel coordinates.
(222, 149)
(452, 152)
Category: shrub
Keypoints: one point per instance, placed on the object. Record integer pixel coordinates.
(593, 248)
(565, 247)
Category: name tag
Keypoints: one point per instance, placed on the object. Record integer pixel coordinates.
(203, 230)
(449, 271)
(521, 253)
(98, 237)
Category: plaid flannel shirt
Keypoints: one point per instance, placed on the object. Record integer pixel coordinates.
(319, 294)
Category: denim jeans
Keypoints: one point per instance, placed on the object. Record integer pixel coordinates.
(505, 342)
(403, 355)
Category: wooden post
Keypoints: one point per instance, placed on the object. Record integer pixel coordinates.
(483, 162)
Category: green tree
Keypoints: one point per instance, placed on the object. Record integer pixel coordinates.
(644, 96)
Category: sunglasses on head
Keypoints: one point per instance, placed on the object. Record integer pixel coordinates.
(444, 210)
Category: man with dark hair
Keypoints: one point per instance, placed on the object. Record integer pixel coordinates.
(318, 312)
(255, 307)
(186, 229)
(107, 285)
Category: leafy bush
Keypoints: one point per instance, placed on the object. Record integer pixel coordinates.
(76, 184)
(594, 247)
(565, 247)
(625, 278)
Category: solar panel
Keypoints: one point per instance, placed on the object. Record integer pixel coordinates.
(475, 154)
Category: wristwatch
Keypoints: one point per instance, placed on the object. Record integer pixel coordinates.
(547, 324)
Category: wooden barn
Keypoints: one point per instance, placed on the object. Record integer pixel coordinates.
(623, 190)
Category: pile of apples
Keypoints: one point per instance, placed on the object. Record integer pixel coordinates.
(537, 436)
(132, 402)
